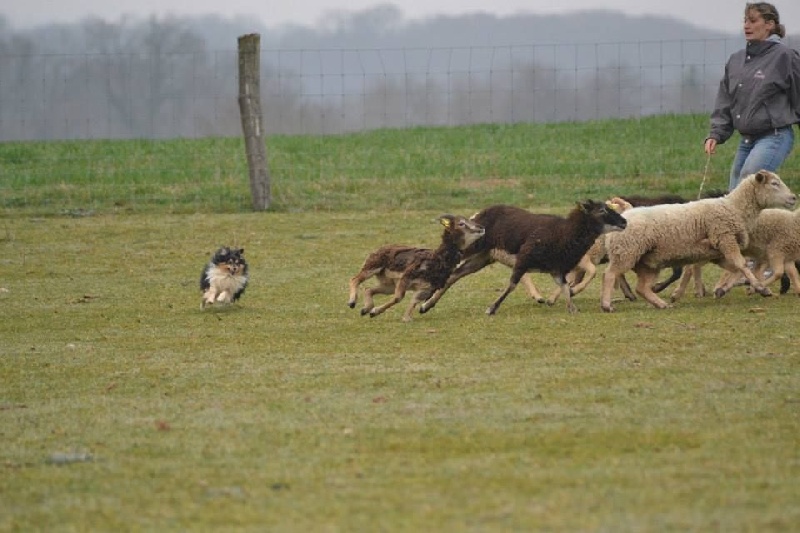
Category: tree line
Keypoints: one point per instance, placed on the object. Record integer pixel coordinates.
(159, 78)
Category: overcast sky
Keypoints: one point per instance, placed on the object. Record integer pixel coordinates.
(724, 15)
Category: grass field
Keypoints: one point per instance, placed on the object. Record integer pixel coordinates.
(123, 406)
(536, 165)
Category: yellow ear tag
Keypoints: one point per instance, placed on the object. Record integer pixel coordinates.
(445, 222)
(611, 205)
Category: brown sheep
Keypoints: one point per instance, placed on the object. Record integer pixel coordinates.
(400, 268)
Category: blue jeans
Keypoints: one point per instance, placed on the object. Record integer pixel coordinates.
(761, 153)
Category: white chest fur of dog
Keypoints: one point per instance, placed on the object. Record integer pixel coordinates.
(224, 278)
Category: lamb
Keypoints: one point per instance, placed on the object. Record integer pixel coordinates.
(775, 243)
(401, 268)
(583, 273)
(533, 242)
(681, 234)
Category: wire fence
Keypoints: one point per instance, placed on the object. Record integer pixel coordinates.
(157, 96)
(317, 92)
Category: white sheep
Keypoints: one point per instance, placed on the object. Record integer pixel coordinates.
(775, 243)
(682, 234)
(585, 272)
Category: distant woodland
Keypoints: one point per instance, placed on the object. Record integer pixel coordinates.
(175, 77)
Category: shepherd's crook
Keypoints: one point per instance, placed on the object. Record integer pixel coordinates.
(705, 173)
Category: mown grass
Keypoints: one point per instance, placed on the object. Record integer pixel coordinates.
(290, 412)
(542, 165)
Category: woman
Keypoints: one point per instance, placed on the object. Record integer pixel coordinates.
(759, 96)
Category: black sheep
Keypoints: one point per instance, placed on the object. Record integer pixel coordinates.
(534, 243)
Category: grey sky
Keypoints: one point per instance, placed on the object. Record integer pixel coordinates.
(725, 15)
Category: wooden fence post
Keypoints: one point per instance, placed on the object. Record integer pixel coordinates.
(252, 120)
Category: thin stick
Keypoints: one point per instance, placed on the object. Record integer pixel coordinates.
(705, 173)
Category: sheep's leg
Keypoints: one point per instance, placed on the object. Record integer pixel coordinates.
(566, 290)
(623, 285)
(730, 275)
(786, 279)
(385, 286)
(531, 288)
(419, 297)
(468, 266)
(727, 280)
(553, 298)
(680, 290)
(357, 280)
(397, 297)
(776, 264)
(644, 286)
(734, 259)
(794, 277)
(588, 270)
(493, 308)
(609, 280)
(516, 275)
(677, 273)
(758, 269)
(699, 287)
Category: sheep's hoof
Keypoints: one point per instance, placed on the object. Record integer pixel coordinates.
(541, 301)
(351, 305)
(764, 291)
(785, 284)
(365, 311)
(423, 309)
(572, 310)
(607, 308)
(719, 293)
(373, 314)
(491, 311)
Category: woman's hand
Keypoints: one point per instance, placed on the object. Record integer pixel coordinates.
(710, 146)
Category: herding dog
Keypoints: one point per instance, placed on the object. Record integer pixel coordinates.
(225, 277)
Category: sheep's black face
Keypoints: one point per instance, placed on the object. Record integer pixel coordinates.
(611, 220)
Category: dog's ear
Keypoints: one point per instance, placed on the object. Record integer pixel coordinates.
(241, 251)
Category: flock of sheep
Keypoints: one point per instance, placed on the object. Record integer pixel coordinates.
(754, 221)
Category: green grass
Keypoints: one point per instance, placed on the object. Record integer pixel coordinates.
(290, 412)
(541, 165)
